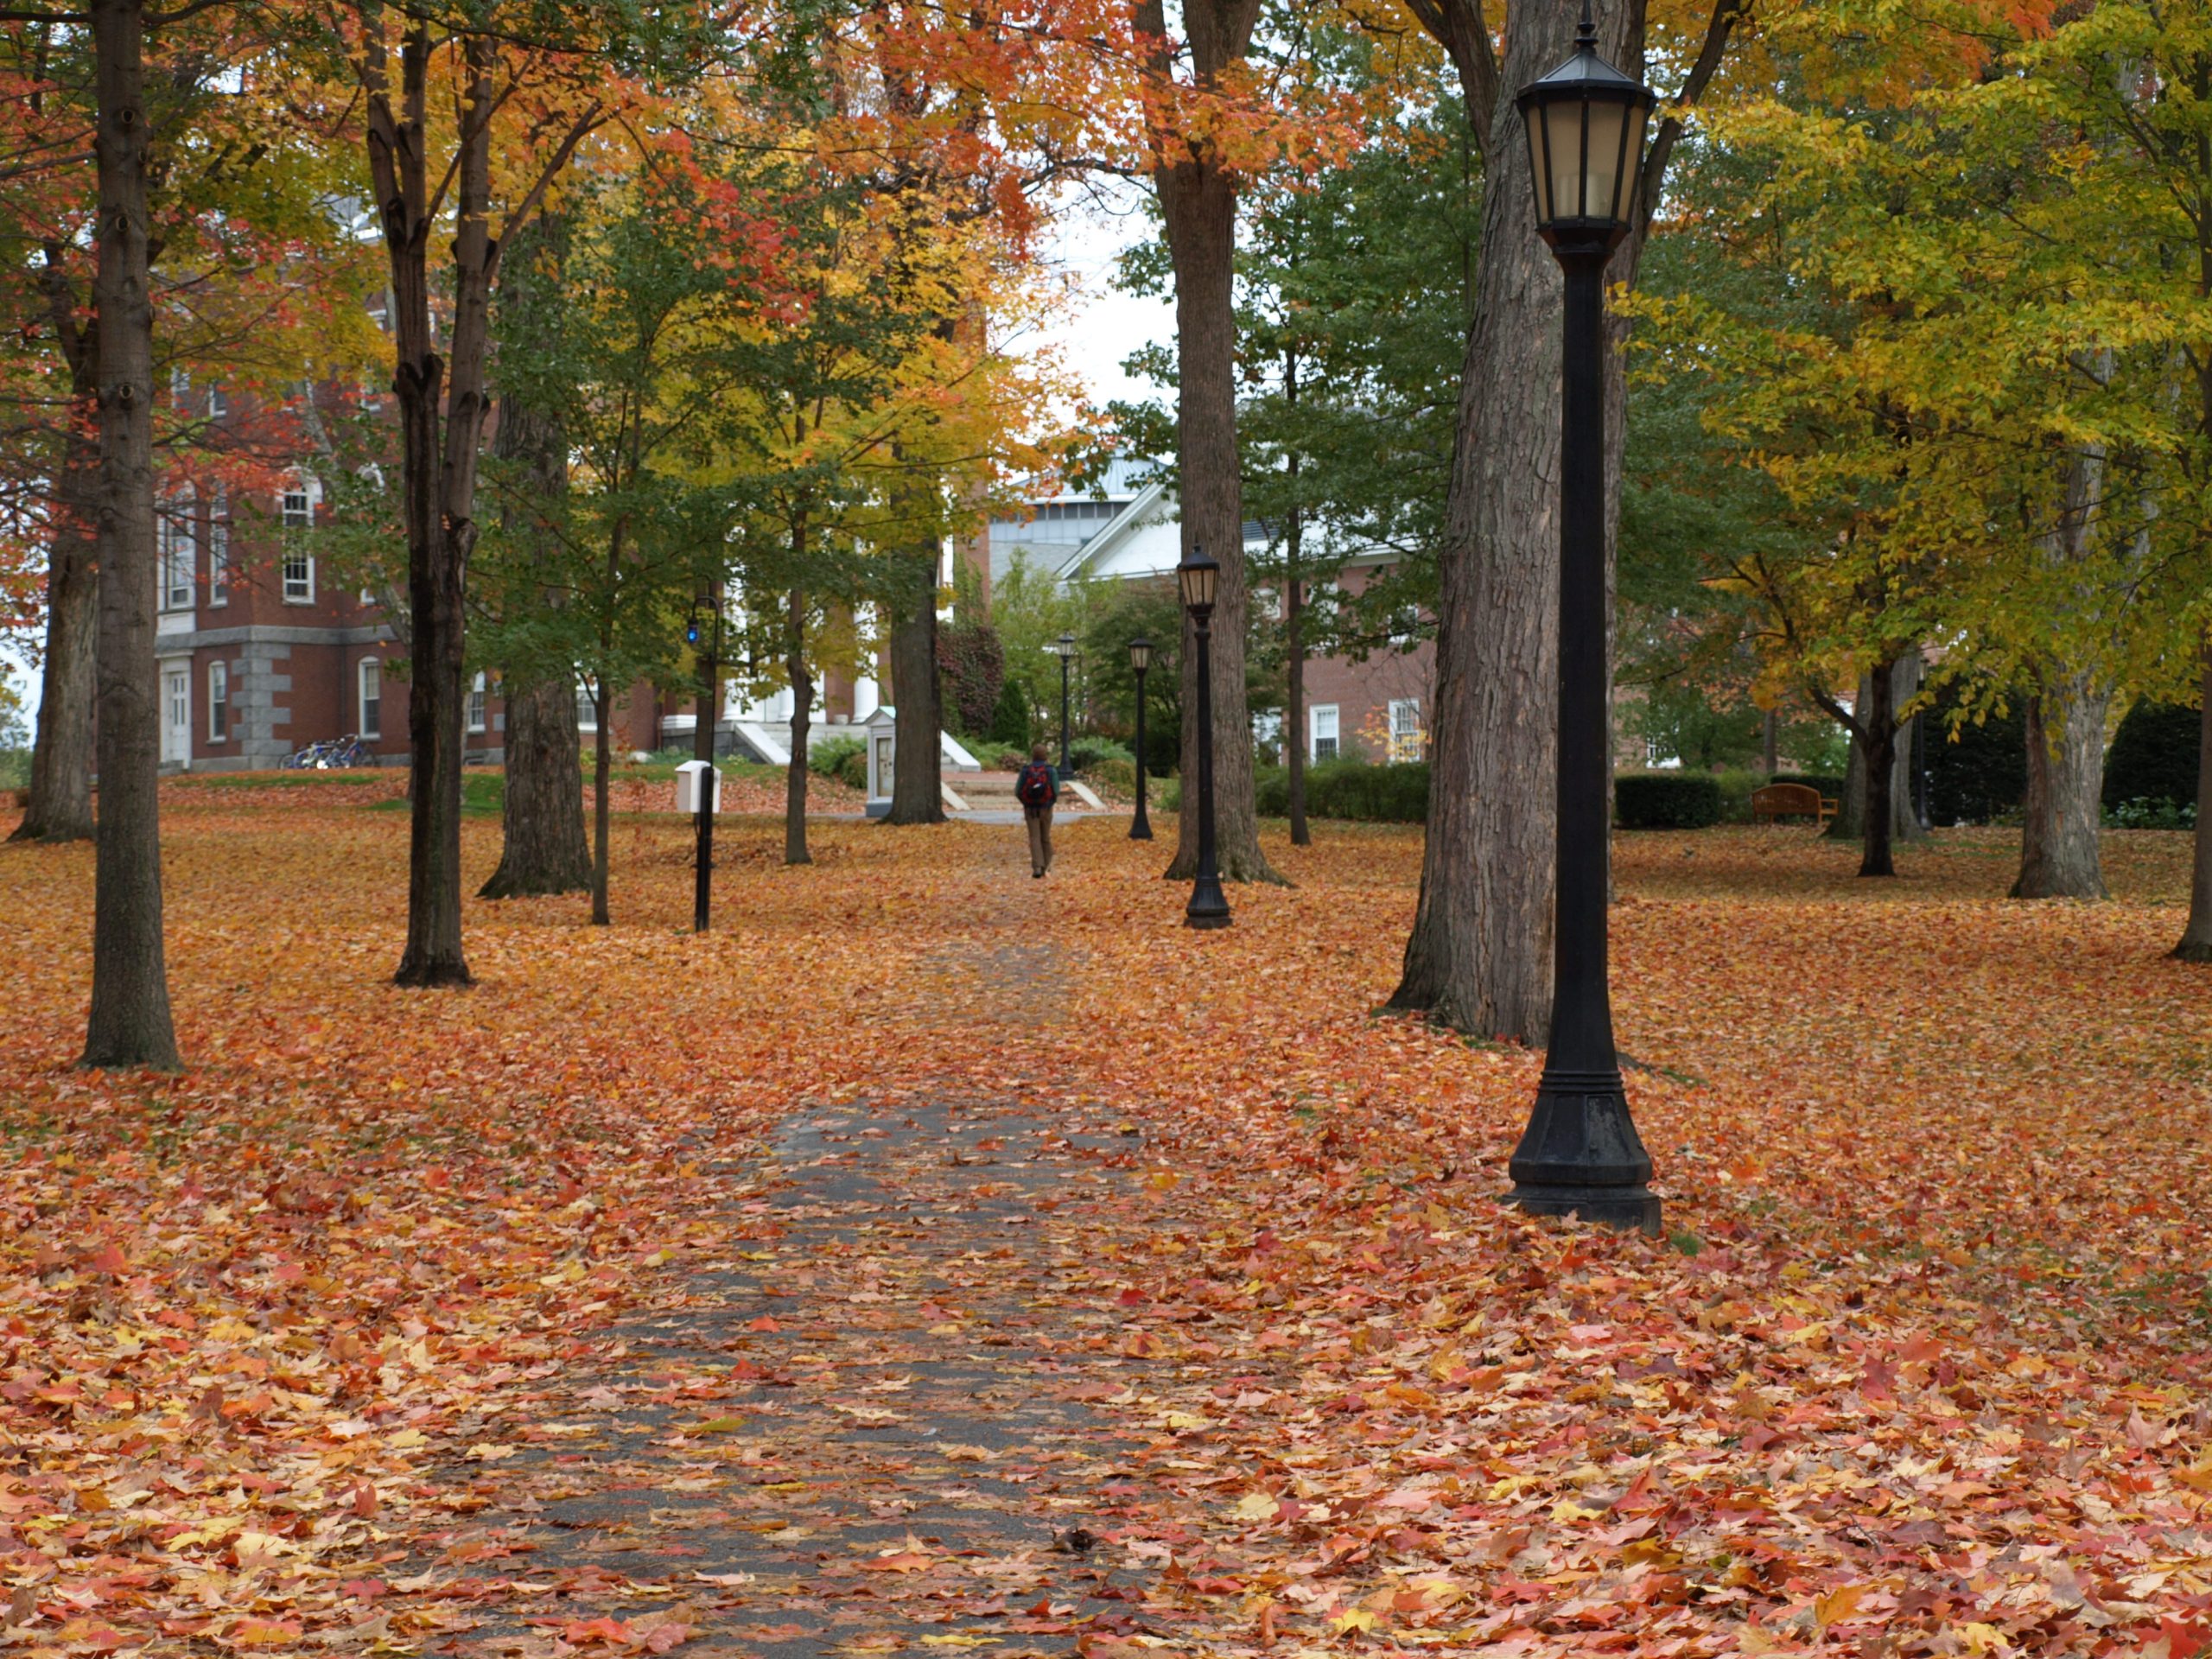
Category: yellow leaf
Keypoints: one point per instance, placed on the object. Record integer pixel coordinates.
(1255, 1506)
(1354, 1619)
(1983, 1639)
(1838, 1604)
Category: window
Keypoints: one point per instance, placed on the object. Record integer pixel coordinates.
(181, 388)
(219, 702)
(586, 706)
(176, 555)
(1405, 729)
(372, 698)
(476, 704)
(1324, 722)
(298, 513)
(218, 404)
(218, 550)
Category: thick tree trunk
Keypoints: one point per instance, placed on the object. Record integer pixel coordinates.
(1198, 201)
(1849, 822)
(2062, 812)
(1770, 742)
(1877, 723)
(2195, 944)
(129, 1023)
(1294, 715)
(1480, 954)
(541, 815)
(543, 847)
(61, 754)
(602, 782)
(916, 779)
(802, 718)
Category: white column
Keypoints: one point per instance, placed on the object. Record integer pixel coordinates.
(868, 695)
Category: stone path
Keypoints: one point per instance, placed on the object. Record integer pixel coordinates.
(873, 1429)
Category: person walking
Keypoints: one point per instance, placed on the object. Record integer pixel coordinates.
(1037, 788)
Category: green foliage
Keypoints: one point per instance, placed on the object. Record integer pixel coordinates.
(1977, 769)
(2153, 757)
(1117, 775)
(1351, 790)
(1085, 753)
(1009, 721)
(2141, 814)
(842, 758)
(1666, 800)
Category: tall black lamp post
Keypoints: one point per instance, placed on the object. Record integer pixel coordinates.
(1580, 1154)
(1064, 648)
(704, 633)
(1140, 661)
(1199, 577)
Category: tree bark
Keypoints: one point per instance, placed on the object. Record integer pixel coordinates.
(1770, 742)
(61, 753)
(2063, 810)
(2195, 944)
(602, 780)
(129, 1023)
(1479, 956)
(1294, 736)
(917, 780)
(1849, 822)
(1198, 201)
(441, 411)
(802, 716)
(541, 815)
(543, 848)
(1880, 734)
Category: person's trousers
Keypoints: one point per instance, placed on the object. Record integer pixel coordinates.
(1041, 838)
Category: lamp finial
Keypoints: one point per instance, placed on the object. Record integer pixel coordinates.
(1585, 32)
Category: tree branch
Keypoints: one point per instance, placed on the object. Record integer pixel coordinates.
(1726, 14)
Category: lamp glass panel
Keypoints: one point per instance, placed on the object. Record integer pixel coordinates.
(1197, 582)
(1631, 159)
(1140, 654)
(1532, 124)
(1601, 180)
(1563, 143)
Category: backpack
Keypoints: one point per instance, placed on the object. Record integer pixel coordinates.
(1034, 786)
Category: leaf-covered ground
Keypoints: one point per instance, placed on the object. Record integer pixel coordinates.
(290, 1346)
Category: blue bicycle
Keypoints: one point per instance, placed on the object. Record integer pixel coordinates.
(330, 753)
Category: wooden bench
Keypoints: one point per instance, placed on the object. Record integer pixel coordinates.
(1772, 802)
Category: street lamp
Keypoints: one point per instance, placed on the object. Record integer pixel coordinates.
(1199, 578)
(704, 629)
(1140, 661)
(1064, 648)
(1580, 1154)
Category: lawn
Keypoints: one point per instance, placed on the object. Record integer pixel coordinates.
(1918, 1368)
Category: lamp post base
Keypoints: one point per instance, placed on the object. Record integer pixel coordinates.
(1209, 906)
(1580, 1154)
(1625, 1209)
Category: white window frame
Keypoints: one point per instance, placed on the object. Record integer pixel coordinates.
(218, 548)
(219, 406)
(1407, 738)
(219, 702)
(180, 552)
(300, 590)
(473, 716)
(368, 678)
(587, 706)
(1315, 737)
(176, 711)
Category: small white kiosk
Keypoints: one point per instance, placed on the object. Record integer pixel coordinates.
(879, 731)
(687, 788)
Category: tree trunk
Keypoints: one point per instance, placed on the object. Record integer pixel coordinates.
(1770, 742)
(602, 780)
(1879, 728)
(1199, 199)
(2195, 944)
(1905, 680)
(61, 754)
(129, 1023)
(802, 715)
(442, 410)
(1479, 956)
(1849, 822)
(541, 815)
(543, 848)
(917, 780)
(2063, 809)
(1294, 715)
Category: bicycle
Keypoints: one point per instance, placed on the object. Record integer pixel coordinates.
(331, 753)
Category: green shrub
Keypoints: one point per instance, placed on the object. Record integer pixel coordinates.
(1085, 753)
(832, 757)
(2153, 757)
(2141, 814)
(1979, 774)
(1830, 784)
(1009, 723)
(1736, 786)
(1116, 776)
(1666, 800)
(1351, 790)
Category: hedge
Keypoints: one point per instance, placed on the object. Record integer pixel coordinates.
(1352, 790)
(2153, 757)
(1666, 800)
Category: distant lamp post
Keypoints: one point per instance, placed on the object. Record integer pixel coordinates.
(1140, 661)
(704, 632)
(1199, 578)
(1580, 1154)
(1065, 649)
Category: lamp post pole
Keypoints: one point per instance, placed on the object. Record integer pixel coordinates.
(1580, 1154)
(1140, 661)
(702, 748)
(1064, 648)
(1209, 905)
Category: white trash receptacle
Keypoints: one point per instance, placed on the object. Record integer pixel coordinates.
(687, 788)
